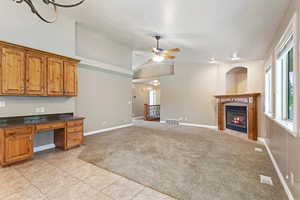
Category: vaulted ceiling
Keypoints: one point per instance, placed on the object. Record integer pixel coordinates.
(201, 28)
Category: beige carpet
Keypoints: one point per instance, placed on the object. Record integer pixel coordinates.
(186, 163)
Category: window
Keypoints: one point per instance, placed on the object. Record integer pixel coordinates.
(285, 83)
(152, 97)
(286, 78)
(268, 91)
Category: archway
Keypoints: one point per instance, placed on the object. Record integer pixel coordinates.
(236, 80)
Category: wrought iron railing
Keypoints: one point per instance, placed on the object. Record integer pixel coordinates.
(151, 112)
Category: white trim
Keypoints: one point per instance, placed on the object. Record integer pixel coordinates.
(101, 65)
(194, 125)
(107, 129)
(198, 125)
(261, 140)
(138, 117)
(43, 147)
(282, 180)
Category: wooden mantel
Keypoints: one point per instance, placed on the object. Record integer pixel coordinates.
(249, 99)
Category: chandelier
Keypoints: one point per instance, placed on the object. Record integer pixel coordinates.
(51, 3)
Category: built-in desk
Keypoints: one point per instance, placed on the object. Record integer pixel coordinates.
(16, 134)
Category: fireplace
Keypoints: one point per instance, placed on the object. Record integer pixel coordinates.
(236, 118)
(238, 112)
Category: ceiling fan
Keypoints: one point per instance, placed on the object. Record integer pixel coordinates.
(162, 54)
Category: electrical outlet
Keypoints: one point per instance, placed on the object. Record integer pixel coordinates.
(186, 118)
(104, 123)
(38, 110)
(42, 109)
(2, 104)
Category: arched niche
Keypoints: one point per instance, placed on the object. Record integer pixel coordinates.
(236, 80)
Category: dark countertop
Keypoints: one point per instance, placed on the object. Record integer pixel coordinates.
(11, 122)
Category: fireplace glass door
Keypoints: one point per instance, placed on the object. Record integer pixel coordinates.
(236, 118)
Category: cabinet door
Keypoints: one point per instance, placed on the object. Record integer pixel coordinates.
(1, 146)
(55, 77)
(13, 71)
(35, 74)
(70, 78)
(18, 147)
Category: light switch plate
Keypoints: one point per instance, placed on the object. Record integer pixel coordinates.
(42, 109)
(37, 110)
(2, 104)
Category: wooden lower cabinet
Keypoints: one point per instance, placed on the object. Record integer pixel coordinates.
(74, 133)
(17, 145)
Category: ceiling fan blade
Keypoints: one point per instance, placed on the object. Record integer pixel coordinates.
(171, 50)
(168, 56)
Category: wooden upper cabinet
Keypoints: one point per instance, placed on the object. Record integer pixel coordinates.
(35, 74)
(30, 72)
(55, 77)
(70, 78)
(12, 71)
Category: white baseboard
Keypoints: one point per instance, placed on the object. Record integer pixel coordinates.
(261, 140)
(198, 125)
(107, 129)
(43, 148)
(194, 125)
(138, 117)
(281, 177)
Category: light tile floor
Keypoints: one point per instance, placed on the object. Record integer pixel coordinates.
(60, 175)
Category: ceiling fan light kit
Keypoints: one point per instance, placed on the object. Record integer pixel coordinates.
(51, 3)
(158, 58)
(162, 54)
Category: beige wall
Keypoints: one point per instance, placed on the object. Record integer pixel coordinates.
(112, 92)
(236, 81)
(104, 98)
(189, 93)
(141, 94)
(255, 83)
(283, 145)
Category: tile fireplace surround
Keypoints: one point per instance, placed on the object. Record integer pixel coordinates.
(249, 100)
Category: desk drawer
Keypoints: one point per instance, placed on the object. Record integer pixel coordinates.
(18, 131)
(75, 123)
(50, 126)
(74, 139)
(75, 129)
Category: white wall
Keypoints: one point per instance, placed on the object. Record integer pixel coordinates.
(20, 26)
(98, 46)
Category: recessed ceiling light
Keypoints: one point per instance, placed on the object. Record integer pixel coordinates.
(235, 57)
(212, 61)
